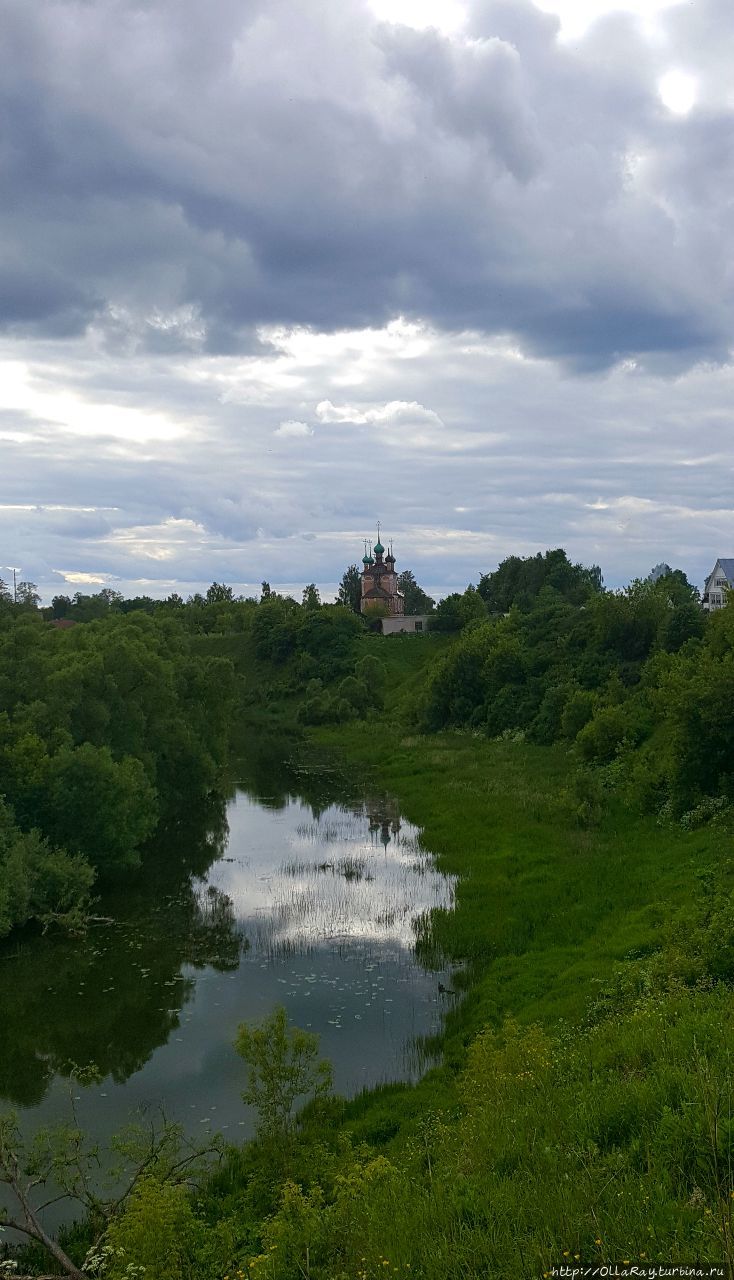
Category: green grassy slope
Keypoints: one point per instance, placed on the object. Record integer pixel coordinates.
(544, 908)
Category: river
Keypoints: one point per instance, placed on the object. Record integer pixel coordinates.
(304, 889)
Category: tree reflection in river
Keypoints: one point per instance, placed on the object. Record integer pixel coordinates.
(112, 997)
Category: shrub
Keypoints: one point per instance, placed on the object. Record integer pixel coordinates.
(577, 712)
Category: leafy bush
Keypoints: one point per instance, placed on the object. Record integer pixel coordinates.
(38, 882)
(577, 712)
(156, 1235)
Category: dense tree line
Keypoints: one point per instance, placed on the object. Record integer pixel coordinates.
(103, 729)
(639, 678)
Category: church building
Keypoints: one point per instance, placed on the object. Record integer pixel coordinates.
(380, 581)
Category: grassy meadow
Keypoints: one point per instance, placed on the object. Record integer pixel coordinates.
(545, 907)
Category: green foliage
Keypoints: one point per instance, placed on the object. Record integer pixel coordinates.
(609, 728)
(322, 708)
(605, 1145)
(139, 1210)
(374, 612)
(350, 589)
(38, 882)
(547, 725)
(519, 581)
(96, 806)
(218, 593)
(311, 597)
(371, 671)
(326, 633)
(604, 670)
(603, 1133)
(356, 693)
(364, 691)
(157, 1232)
(284, 1068)
(577, 712)
(26, 595)
(102, 729)
(458, 610)
(416, 600)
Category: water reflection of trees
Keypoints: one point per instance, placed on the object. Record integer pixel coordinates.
(115, 995)
(275, 772)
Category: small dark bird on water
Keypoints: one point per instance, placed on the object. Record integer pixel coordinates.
(445, 991)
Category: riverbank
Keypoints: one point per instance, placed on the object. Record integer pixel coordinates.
(545, 907)
(581, 1107)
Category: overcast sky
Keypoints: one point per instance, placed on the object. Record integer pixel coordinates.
(271, 270)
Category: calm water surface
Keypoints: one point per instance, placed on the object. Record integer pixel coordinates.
(303, 893)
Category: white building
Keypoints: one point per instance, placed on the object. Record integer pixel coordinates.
(413, 622)
(720, 579)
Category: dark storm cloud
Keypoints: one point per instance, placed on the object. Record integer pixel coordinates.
(270, 164)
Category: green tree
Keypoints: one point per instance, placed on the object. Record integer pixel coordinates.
(156, 1163)
(218, 593)
(26, 595)
(356, 694)
(455, 611)
(88, 608)
(371, 672)
(61, 607)
(38, 882)
(674, 584)
(311, 597)
(518, 580)
(577, 712)
(350, 589)
(284, 1067)
(416, 600)
(97, 806)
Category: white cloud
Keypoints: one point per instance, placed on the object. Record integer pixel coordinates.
(293, 429)
(394, 413)
(83, 579)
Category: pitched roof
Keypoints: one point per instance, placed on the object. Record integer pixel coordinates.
(727, 565)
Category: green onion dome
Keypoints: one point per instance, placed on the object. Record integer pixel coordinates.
(379, 548)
